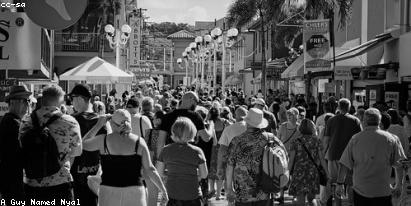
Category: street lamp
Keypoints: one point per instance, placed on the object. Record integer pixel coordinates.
(117, 38)
(225, 40)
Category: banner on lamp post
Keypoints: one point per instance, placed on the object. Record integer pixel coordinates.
(317, 52)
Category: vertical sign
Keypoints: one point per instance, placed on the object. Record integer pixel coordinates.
(135, 42)
(317, 53)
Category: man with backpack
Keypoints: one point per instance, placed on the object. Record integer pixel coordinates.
(11, 167)
(89, 161)
(260, 162)
(50, 140)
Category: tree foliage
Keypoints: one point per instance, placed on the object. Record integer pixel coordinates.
(167, 28)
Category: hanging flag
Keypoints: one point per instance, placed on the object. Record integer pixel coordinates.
(317, 52)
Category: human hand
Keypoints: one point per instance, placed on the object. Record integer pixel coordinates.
(164, 198)
(102, 120)
(340, 191)
(396, 191)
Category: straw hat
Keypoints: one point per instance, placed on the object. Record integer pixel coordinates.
(255, 118)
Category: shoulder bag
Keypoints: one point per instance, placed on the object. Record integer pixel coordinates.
(321, 171)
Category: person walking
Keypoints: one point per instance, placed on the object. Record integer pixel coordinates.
(139, 122)
(124, 157)
(228, 134)
(272, 124)
(305, 181)
(11, 160)
(244, 157)
(89, 161)
(185, 165)
(397, 129)
(66, 132)
(371, 154)
(338, 132)
(188, 105)
(151, 139)
(213, 180)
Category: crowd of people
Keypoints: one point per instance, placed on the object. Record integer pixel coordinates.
(183, 147)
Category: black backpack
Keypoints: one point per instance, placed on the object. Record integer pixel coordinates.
(40, 152)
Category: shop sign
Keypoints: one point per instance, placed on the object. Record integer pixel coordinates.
(316, 36)
(392, 99)
(135, 41)
(321, 85)
(342, 74)
(5, 85)
(20, 45)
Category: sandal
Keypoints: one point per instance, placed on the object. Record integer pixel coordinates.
(210, 194)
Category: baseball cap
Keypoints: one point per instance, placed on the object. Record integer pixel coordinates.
(81, 90)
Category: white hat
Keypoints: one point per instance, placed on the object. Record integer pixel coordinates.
(255, 118)
(259, 101)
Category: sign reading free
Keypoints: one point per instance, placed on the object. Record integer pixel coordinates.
(316, 37)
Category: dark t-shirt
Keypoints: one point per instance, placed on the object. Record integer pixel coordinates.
(11, 169)
(89, 161)
(170, 118)
(340, 129)
(182, 162)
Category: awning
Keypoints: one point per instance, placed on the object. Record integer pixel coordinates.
(379, 40)
(233, 80)
(97, 71)
(39, 76)
(296, 69)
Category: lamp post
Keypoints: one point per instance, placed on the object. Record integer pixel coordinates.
(224, 40)
(215, 34)
(117, 38)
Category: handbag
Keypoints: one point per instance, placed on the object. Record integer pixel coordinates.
(321, 171)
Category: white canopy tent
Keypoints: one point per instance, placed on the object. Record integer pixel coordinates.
(97, 71)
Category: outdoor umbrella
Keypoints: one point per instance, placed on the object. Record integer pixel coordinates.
(97, 71)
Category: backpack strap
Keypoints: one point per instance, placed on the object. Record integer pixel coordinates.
(141, 126)
(137, 144)
(289, 138)
(52, 119)
(150, 137)
(105, 145)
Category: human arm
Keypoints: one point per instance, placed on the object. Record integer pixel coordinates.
(149, 168)
(161, 141)
(222, 152)
(397, 156)
(206, 134)
(92, 140)
(75, 145)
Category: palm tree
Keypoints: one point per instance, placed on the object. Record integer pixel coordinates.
(270, 12)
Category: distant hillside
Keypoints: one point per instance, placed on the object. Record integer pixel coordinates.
(166, 28)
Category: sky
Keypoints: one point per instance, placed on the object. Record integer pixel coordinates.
(184, 11)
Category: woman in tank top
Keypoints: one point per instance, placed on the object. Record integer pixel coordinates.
(123, 158)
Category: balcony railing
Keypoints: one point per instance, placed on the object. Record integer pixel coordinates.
(81, 42)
